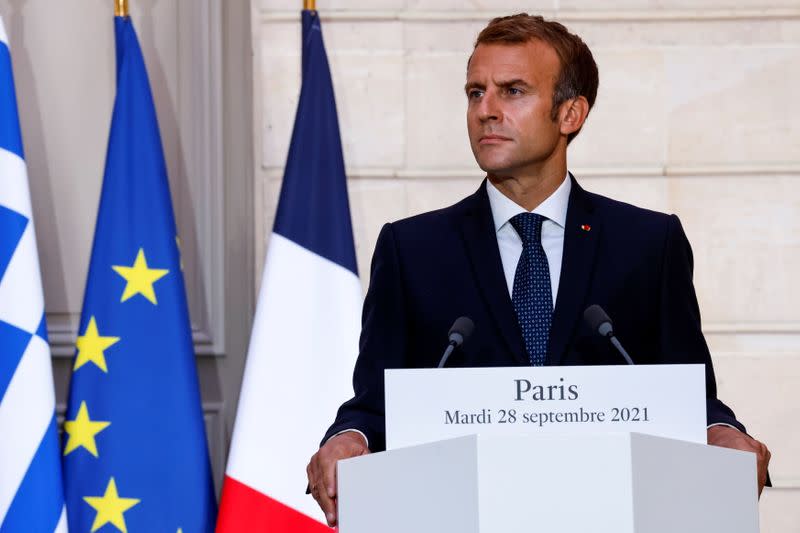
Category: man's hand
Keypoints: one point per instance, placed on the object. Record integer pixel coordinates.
(321, 469)
(728, 437)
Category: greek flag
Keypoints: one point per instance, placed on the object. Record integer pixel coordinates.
(31, 497)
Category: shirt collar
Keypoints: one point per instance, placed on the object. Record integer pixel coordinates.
(554, 207)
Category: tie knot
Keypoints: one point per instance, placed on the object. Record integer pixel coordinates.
(529, 227)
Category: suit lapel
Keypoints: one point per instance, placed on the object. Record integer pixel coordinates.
(481, 242)
(581, 236)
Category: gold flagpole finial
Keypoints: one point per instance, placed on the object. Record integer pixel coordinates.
(310, 5)
(121, 8)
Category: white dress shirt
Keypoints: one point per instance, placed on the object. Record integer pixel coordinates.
(553, 208)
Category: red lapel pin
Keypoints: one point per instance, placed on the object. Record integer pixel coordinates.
(586, 227)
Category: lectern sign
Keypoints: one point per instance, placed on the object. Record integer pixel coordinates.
(426, 405)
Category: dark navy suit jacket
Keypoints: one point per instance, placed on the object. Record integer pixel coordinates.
(430, 269)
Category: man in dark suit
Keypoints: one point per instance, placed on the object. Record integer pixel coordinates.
(524, 255)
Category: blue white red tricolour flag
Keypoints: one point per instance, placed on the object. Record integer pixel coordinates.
(305, 335)
(31, 496)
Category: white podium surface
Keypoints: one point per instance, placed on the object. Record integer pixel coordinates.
(433, 404)
(608, 483)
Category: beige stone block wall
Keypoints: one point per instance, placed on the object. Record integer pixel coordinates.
(697, 115)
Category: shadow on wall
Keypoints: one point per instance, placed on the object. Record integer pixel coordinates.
(39, 178)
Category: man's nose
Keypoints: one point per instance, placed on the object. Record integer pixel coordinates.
(488, 108)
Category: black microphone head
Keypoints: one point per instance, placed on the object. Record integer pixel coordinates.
(598, 321)
(461, 330)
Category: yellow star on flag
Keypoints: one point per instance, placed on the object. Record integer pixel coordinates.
(91, 347)
(82, 431)
(140, 278)
(110, 508)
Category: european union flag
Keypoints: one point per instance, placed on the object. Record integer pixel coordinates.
(135, 452)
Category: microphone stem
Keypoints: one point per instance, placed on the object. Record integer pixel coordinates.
(447, 352)
(619, 347)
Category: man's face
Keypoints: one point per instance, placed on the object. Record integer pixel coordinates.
(510, 92)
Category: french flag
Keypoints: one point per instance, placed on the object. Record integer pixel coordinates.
(305, 333)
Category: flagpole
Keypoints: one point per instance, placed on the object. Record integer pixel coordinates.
(121, 8)
(310, 5)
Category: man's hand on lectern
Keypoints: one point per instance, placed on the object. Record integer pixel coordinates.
(321, 469)
(728, 437)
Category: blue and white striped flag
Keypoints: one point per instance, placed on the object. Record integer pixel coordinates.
(31, 495)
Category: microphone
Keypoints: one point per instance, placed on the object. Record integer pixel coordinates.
(457, 336)
(598, 321)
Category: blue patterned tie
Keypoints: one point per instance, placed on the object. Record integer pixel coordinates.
(532, 295)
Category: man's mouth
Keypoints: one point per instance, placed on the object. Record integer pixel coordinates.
(492, 139)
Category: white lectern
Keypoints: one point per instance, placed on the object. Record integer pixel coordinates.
(607, 483)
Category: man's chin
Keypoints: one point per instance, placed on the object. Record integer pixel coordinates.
(499, 171)
(490, 164)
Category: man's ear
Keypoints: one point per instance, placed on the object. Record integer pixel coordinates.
(573, 114)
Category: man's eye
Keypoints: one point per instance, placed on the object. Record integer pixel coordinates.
(514, 91)
(474, 93)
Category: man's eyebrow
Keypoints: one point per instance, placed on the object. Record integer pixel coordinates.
(515, 81)
(473, 85)
(519, 82)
